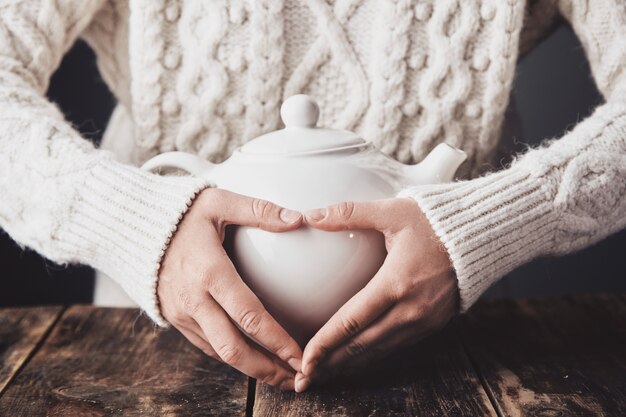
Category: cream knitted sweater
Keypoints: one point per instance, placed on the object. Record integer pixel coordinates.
(206, 76)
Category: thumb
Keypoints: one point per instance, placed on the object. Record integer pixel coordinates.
(348, 215)
(255, 212)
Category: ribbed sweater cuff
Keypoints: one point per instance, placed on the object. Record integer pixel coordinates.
(121, 222)
(488, 225)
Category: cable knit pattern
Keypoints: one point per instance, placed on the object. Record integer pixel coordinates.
(62, 197)
(203, 80)
(333, 43)
(556, 199)
(206, 77)
(146, 18)
(387, 91)
(447, 81)
(265, 73)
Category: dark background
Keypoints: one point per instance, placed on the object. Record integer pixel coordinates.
(553, 90)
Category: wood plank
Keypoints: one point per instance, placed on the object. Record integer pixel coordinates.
(608, 310)
(21, 330)
(435, 378)
(564, 356)
(99, 362)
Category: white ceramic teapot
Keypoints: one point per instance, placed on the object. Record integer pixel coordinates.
(304, 276)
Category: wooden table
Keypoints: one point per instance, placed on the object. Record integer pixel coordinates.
(555, 357)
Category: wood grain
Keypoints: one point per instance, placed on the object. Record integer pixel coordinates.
(21, 330)
(564, 356)
(111, 362)
(434, 378)
(557, 357)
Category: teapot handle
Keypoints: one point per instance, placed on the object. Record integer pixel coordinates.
(180, 160)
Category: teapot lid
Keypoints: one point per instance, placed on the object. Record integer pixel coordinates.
(300, 135)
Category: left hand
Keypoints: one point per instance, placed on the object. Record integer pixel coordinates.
(413, 293)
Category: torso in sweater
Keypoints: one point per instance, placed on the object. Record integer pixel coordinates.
(206, 77)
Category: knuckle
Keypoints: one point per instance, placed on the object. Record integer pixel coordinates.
(208, 278)
(251, 322)
(416, 314)
(346, 210)
(187, 302)
(398, 290)
(272, 377)
(231, 354)
(284, 351)
(350, 325)
(355, 348)
(261, 208)
(205, 277)
(402, 288)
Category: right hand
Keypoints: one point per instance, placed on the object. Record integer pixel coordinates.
(201, 294)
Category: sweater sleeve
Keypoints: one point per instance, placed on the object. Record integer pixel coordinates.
(60, 196)
(556, 199)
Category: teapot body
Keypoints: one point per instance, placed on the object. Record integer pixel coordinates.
(304, 276)
(303, 182)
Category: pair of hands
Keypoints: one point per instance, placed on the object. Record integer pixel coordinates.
(412, 294)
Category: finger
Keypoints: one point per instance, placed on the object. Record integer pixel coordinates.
(387, 346)
(351, 215)
(358, 363)
(334, 367)
(247, 211)
(349, 356)
(357, 313)
(198, 341)
(195, 336)
(247, 311)
(237, 351)
(402, 326)
(376, 342)
(383, 335)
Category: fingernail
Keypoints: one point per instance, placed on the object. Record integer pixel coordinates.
(296, 364)
(289, 216)
(302, 383)
(316, 214)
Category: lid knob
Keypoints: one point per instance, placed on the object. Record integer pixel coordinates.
(300, 111)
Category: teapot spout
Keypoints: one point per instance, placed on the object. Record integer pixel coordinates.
(439, 166)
